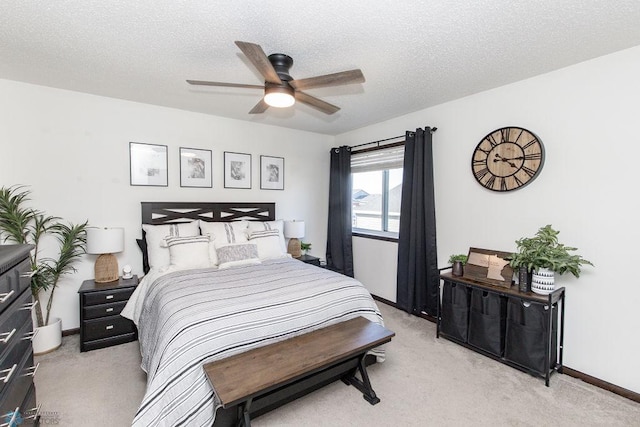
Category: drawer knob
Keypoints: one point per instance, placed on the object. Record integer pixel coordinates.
(29, 274)
(29, 306)
(109, 327)
(33, 370)
(9, 373)
(109, 297)
(5, 296)
(109, 310)
(7, 336)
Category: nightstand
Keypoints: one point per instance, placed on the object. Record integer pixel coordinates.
(100, 305)
(308, 259)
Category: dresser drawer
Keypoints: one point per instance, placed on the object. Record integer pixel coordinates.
(106, 327)
(107, 296)
(102, 310)
(13, 282)
(15, 322)
(13, 392)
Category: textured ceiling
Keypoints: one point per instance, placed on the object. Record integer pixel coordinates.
(413, 53)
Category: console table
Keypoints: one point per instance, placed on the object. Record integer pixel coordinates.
(519, 329)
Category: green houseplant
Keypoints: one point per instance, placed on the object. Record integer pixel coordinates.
(543, 253)
(306, 247)
(24, 225)
(457, 262)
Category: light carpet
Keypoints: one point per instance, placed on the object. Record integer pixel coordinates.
(425, 381)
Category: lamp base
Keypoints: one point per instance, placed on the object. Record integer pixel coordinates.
(294, 248)
(106, 269)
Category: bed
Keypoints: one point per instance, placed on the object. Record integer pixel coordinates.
(190, 313)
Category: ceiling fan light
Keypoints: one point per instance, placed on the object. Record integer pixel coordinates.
(279, 97)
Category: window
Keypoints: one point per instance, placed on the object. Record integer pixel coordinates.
(377, 191)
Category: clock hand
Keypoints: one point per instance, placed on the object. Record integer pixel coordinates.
(499, 158)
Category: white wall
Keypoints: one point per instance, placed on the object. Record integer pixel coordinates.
(72, 149)
(587, 117)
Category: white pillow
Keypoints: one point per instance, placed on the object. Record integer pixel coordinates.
(225, 232)
(237, 254)
(155, 234)
(270, 225)
(189, 252)
(268, 242)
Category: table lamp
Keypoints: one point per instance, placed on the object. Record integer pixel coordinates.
(105, 242)
(294, 230)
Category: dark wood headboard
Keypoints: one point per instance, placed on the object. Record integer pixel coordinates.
(156, 213)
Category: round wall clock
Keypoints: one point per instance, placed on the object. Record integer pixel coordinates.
(507, 159)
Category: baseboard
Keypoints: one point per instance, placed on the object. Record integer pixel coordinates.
(632, 395)
(394, 305)
(565, 370)
(67, 332)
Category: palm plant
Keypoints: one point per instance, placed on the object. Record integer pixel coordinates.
(24, 225)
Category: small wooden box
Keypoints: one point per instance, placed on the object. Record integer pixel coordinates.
(489, 266)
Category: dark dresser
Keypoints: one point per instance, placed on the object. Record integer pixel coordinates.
(100, 305)
(17, 391)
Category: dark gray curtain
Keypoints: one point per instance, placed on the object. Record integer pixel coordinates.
(418, 274)
(339, 248)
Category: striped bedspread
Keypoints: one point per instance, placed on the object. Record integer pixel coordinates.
(192, 317)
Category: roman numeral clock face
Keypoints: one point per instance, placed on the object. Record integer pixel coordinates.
(507, 159)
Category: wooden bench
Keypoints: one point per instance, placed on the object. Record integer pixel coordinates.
(337, 351)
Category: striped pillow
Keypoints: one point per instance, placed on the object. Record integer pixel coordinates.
(270, 225)
(189, 252)
(155, 234)
(237, 254)
(268, 243)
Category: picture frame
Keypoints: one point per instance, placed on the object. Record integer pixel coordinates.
(237, 170)
(195, 168)
(271, 173)
(148, 164)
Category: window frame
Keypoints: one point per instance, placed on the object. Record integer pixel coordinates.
(384, 235)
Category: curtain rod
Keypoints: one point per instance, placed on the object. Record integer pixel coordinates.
(384, 140)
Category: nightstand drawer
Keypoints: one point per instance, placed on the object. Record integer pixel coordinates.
(102, 310)
(107, 327)
(107, 296)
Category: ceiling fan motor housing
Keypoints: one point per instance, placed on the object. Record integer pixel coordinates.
(281, 63)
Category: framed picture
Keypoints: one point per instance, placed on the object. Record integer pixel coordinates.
(237, 170)
(271, 173)
(195, 168)
(149, 164)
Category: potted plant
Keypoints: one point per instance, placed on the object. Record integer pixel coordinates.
(543, 255)
(306, 247)
(457, 264)
(23, 225)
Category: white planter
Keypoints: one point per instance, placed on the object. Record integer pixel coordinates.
(48, 338)
(543, 281)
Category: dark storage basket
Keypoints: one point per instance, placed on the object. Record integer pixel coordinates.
(527, 334)
(487, 321)
(455, 311)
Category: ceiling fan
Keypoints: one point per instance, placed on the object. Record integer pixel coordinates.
(280, 89)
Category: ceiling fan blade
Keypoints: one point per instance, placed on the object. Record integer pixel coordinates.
(204, 83)
(316, 103)
(260, 107)
(259, 59)
(335, 79)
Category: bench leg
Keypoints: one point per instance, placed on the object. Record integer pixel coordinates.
(365, 385)
(244, 420)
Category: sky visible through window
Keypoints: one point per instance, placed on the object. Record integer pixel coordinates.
(367, 207)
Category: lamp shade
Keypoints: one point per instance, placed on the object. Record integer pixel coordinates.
(105, 240)
(293, 229)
